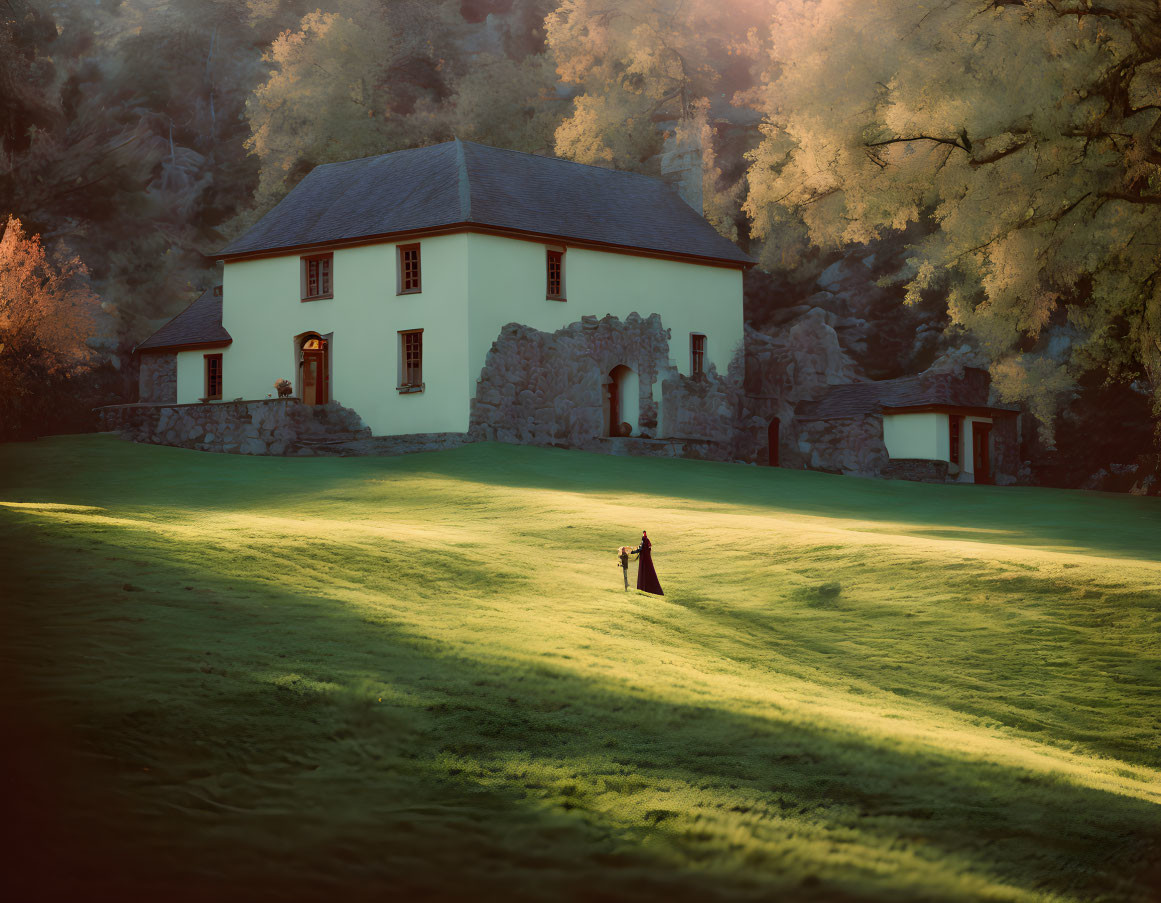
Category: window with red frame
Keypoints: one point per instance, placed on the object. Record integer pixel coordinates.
(316, 277)
(556, 275)
(696, 354)
(411, 360)
(213, 375)
(409, 275)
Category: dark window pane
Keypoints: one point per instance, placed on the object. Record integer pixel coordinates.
(697, 354)
(555, 274)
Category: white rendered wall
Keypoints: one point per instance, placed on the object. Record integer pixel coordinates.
(472, 286)
(263, 313)
(629, 399)
(922, 436)
(191, 375)
(507, 285)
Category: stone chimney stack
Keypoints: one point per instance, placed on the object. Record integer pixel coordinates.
(681, 164)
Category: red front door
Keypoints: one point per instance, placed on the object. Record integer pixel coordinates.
(773, 440)
(314, 372)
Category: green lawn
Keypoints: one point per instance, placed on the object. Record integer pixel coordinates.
(419, 677)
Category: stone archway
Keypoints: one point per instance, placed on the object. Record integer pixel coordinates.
(622, 401)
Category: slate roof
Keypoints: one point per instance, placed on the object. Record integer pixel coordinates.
(860, 399)
(460, 183)
(200, 324)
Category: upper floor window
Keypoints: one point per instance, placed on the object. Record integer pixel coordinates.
(316, 277)
(696, 354)
(213, 376)
(409, 276)
(411, 360)
(555, 266)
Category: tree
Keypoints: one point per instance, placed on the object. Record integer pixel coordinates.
(1024, 136)
(365, 79)
(47, 311)
(648, 69)
(508, 103)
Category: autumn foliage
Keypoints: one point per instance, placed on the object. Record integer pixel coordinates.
(46, 314)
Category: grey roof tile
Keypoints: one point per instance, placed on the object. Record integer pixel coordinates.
(199, 324)
(463, 183)
(942, 388)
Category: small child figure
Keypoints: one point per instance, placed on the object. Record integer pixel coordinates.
(623, 560)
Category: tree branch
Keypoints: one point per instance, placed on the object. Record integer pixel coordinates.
(954, 142)
(1151, 199)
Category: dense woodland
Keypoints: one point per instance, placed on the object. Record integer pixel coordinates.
(980, 173)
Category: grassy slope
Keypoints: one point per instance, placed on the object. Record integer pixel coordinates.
(422, 674)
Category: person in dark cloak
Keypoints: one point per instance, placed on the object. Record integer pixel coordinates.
(646, 575)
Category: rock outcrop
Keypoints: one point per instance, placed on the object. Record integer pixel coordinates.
(797, 364)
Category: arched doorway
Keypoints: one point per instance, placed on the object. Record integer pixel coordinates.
(314, 369)
(622, 402)
(773, 441)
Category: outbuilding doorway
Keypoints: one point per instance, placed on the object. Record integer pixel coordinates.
(981, 451)
(314, 369)
(773, 441)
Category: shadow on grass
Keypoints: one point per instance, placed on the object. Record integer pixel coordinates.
(1062, 520)
(280, 745)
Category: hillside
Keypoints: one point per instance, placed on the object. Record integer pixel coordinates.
(286, 678)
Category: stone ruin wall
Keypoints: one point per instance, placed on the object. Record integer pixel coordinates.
(781, 371)
(701, 411)
(542, 388)
(539, 388)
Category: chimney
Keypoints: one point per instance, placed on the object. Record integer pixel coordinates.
(681, 164)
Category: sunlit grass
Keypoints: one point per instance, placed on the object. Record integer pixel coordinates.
(423, 673)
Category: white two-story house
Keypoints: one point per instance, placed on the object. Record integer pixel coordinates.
(382, 283)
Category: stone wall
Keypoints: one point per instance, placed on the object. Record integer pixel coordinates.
(780, 371)
(919, 470)
(539, 388)
(701, 408)
(1005, 449)
(267, 427)
(852, 446)
(157, 377)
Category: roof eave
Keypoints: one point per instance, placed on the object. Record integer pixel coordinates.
(947, 408)
(482, 228)
(189, 346)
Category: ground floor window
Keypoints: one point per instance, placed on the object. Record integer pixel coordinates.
(213, 376)
(955, 437)
(411, 360)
